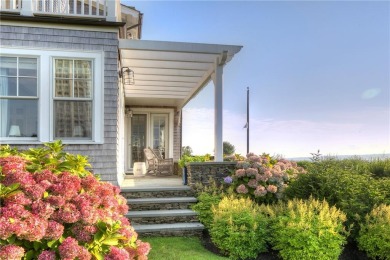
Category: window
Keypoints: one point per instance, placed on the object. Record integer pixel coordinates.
(73, 98)
(51, 94)
(18, 97)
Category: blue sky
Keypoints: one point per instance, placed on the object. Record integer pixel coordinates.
(318, 73)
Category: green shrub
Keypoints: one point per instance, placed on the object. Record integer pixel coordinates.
(355, 194)
(374, 235)
(205, 202)
(379, 168)
(239, 228)
(307, 230)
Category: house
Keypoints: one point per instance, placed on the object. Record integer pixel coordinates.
(77, 70)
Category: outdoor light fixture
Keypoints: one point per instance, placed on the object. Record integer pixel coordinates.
(127, 76)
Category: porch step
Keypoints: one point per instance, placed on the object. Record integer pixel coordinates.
(157, 192)
(161, 203)
(175, 229)
(162, 216)
(162, 211)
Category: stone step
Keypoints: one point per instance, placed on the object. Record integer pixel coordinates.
(162, 216)
(174, 229)
(161, 203)
(156, 192)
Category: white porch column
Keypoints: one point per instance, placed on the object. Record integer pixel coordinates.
(27, 8)
(218, 117)
(113, 10)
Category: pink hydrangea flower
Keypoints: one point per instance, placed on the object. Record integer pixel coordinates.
(36, 228)
(42, 209)
(84, 233)
(67, 214)
(242, 189)
(47, 255)
(117, 254)
(25, 179)
(55, 201)
(34, 191)
(17, 198)
(252, 183)
(54, 230)
(142, 248)
(240, 173)
(84, 254)
(11, 252)
(260, 191)
(272, 188)
(69, 248)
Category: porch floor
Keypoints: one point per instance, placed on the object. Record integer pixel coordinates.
(152, 181)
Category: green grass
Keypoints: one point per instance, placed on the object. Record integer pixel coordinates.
(178, 248)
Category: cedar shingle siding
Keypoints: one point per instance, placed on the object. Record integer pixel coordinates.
(102, 156)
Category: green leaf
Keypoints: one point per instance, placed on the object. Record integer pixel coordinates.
(29, 255)
(37, 245)
(52, 243)
(110, 242)
(98, 255)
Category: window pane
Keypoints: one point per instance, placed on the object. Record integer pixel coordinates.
(73, 119)
(64, 68)
(64, 88)
(7, 86)
(82, 88)
(8, 66)
(82, 69)
(28, 87)
(19, 118)
(27, 67)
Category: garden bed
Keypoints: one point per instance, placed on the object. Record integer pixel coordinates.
(350, 252)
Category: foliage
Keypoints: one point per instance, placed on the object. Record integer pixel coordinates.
(264, 178)
(186, 151)
(228, 148)
(197, 158)
(208, 196)
(307, 230)
(374, 235)
(239, 228)
(347, 188)
(179, 248)
(52, 207)
(379, 167)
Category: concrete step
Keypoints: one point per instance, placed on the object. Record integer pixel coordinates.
(161, 203)
(156, 192)
(162, 216)
(174, 229)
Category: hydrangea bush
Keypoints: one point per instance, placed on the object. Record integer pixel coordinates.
(53, 208)
(263, 178)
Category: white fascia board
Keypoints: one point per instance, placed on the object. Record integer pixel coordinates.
(178, 46)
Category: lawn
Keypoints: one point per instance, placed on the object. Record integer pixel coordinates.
(178, 248)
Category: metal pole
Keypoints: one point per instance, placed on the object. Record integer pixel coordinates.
(247, 120)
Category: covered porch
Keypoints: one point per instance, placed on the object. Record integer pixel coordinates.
(164, 77)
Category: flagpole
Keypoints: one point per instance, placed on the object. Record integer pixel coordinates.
(247, 120)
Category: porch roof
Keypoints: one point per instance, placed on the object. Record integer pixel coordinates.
(170, 73)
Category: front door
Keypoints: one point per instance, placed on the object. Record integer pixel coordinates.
(147, 130)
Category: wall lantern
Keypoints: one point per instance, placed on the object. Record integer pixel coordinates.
(127, 76)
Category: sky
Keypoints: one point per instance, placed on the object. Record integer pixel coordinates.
(318, 73)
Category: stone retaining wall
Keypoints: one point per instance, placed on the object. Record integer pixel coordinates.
(203, 172)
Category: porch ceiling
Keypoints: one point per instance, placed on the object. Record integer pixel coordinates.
(170, 73)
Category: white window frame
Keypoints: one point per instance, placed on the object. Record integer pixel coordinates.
(45, 96)
(37, 97)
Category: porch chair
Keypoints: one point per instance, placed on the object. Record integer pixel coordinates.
(157, 164)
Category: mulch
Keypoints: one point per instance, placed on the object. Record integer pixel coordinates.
(350, 252)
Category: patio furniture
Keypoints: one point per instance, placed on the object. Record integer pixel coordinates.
(157, 164)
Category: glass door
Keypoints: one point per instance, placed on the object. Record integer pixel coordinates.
(138, 138)
(159, 132)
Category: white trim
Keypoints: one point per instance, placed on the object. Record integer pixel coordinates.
(61, 26)
(45, 101)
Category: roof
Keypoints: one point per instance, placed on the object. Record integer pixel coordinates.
(170, 73)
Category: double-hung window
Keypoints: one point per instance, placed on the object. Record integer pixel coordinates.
(73, 100)
(19, 97)
(51, 94)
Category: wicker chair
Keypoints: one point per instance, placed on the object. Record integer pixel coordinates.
(157, 164)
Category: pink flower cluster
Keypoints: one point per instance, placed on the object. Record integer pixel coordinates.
(48, 206)
(264, 177)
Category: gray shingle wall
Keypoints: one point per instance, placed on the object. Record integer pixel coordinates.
(176, 137)
(102, 156)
